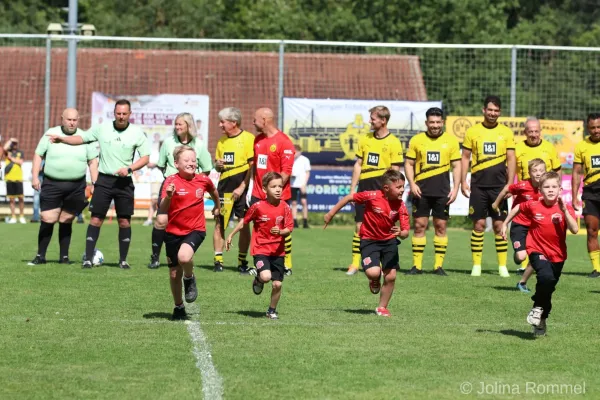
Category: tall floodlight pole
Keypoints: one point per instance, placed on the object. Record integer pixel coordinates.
(72, 56)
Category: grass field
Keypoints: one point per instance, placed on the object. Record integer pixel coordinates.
(105, 333)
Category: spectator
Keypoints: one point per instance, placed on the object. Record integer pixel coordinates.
(300, 176)
(13, 175)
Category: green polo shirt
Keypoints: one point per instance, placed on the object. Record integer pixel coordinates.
(64, 162)
(117, 147)
(166, 160)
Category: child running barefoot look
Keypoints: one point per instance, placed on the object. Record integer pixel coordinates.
(546, 244)
(183, 201)
(272, 223)
(379, 233)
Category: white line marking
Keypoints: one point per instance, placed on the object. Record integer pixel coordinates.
(212, 383)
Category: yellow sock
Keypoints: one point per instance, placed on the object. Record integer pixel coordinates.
(242, 258)
(501, 250)
(595, 257)
(525, 262)
(440, 244)
(288, 251)
(418, 246)
(219, 257)
(356, 251)
(476, 247)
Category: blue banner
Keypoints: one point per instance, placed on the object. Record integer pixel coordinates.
(326, 187)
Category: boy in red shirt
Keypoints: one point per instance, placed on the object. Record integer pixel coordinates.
(546, 244)
(272, 223)
(379, 233)
(183, 201)
(522, 191)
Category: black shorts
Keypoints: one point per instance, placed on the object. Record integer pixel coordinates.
(14, 189)
(66, 195)
(430, 205)
(296, 192)
(109, 188)
(518, 236)
(173, 243)
(591, 207)
(270, 263)
(480, 204)
(239, 206)
(377, 252)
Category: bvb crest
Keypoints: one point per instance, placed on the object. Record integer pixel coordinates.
(349, 139)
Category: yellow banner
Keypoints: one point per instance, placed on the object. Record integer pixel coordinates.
(564, 135)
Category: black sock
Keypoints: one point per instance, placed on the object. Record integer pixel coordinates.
(158, 237)
(124, 242)
(271, 310)
(90, 241)
(305, 222)
(44, 237)
(64, 238)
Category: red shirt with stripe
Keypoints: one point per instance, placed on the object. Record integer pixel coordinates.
(381, 215)
(547, 230)
(186, 212)
(522, 192)
(276, 154)
(266, 216)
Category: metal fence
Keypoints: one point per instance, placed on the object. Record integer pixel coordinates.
(549, 82)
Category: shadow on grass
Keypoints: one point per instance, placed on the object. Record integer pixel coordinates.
(506, 288)
(594, 291)
(158, 315)
(248, 313)
(360, 311)
(575, 273)
(509, 332)
(110, 264)
(211, 267)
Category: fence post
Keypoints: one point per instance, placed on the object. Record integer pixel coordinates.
(513, 82)
(72, 56)
(47, 84)
(280, 92)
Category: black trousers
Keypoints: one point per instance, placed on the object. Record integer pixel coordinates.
(548, 274)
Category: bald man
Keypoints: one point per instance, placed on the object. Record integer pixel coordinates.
(62, 194)
(273, 151)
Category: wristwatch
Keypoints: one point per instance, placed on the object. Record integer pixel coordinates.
(129, 170)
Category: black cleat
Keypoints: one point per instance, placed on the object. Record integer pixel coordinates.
(86, 264)
(594, 274)
(179, 314)
(305, 225)
(413, 271)
(295, 224)
(218, 266)
(257, 286)
(440, 271)
(124, 265)
(154, 262)
(38, 260)
(191, 291)
(65, 260)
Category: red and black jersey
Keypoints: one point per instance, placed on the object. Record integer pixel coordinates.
(522, 192)
(276, 154)
(266, 216)
(186, 212)
(381, 215)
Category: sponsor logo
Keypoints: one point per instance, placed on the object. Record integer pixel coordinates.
(287, 152)
(489, 148)
(263, 218)
(367, 261)
(260, 264)
(229, 158)
(433, 157)
(373, 159)
(261, 161)
(377, 210)
(538, 217)
(182, 192)
(595, 161)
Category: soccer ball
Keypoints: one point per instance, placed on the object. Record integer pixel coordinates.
(98, 258)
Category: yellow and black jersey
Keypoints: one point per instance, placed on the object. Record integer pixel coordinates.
(587, 153)
(237, 153)
(433, 158)
(378, 155)
(13, 171)
(488, 154)
(525, 153)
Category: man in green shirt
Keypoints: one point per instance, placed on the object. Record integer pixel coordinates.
(118, 141)
(62, 194)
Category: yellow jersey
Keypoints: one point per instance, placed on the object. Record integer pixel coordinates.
(587, 153)
(433, 158)
(488, 154)
(237, 152)
(525, 153)
(378, 155)
(12, 171)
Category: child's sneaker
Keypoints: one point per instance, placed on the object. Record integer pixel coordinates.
(535, 316)
(257, 286)
(272, 314)
(179, 314)
(523, 287)
(540, 330)
(374, 286)
(191, 291)
(383, 312)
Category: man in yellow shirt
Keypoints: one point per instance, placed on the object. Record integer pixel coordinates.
(13, 175)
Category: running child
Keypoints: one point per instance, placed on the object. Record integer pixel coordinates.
(379, 233)
(522, 191)
(272, 223)
(546, 244)
(183, 201)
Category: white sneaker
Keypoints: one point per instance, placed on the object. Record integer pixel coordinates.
(503, 271)
(540, 330)
(11, 221)
(22, 220)
(476, 271)
(535, 316)
(147, 222)
(351, 271)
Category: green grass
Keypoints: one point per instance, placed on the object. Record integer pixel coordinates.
(104, 333)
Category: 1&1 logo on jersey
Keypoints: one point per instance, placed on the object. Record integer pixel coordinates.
(489, 148)
(595, 161)
(373, 159)
(229, 158)
(433, 157)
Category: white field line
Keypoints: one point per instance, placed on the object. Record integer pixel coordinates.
(212, 383)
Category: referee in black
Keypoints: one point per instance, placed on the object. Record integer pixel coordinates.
(118, 141)
(62, 193)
